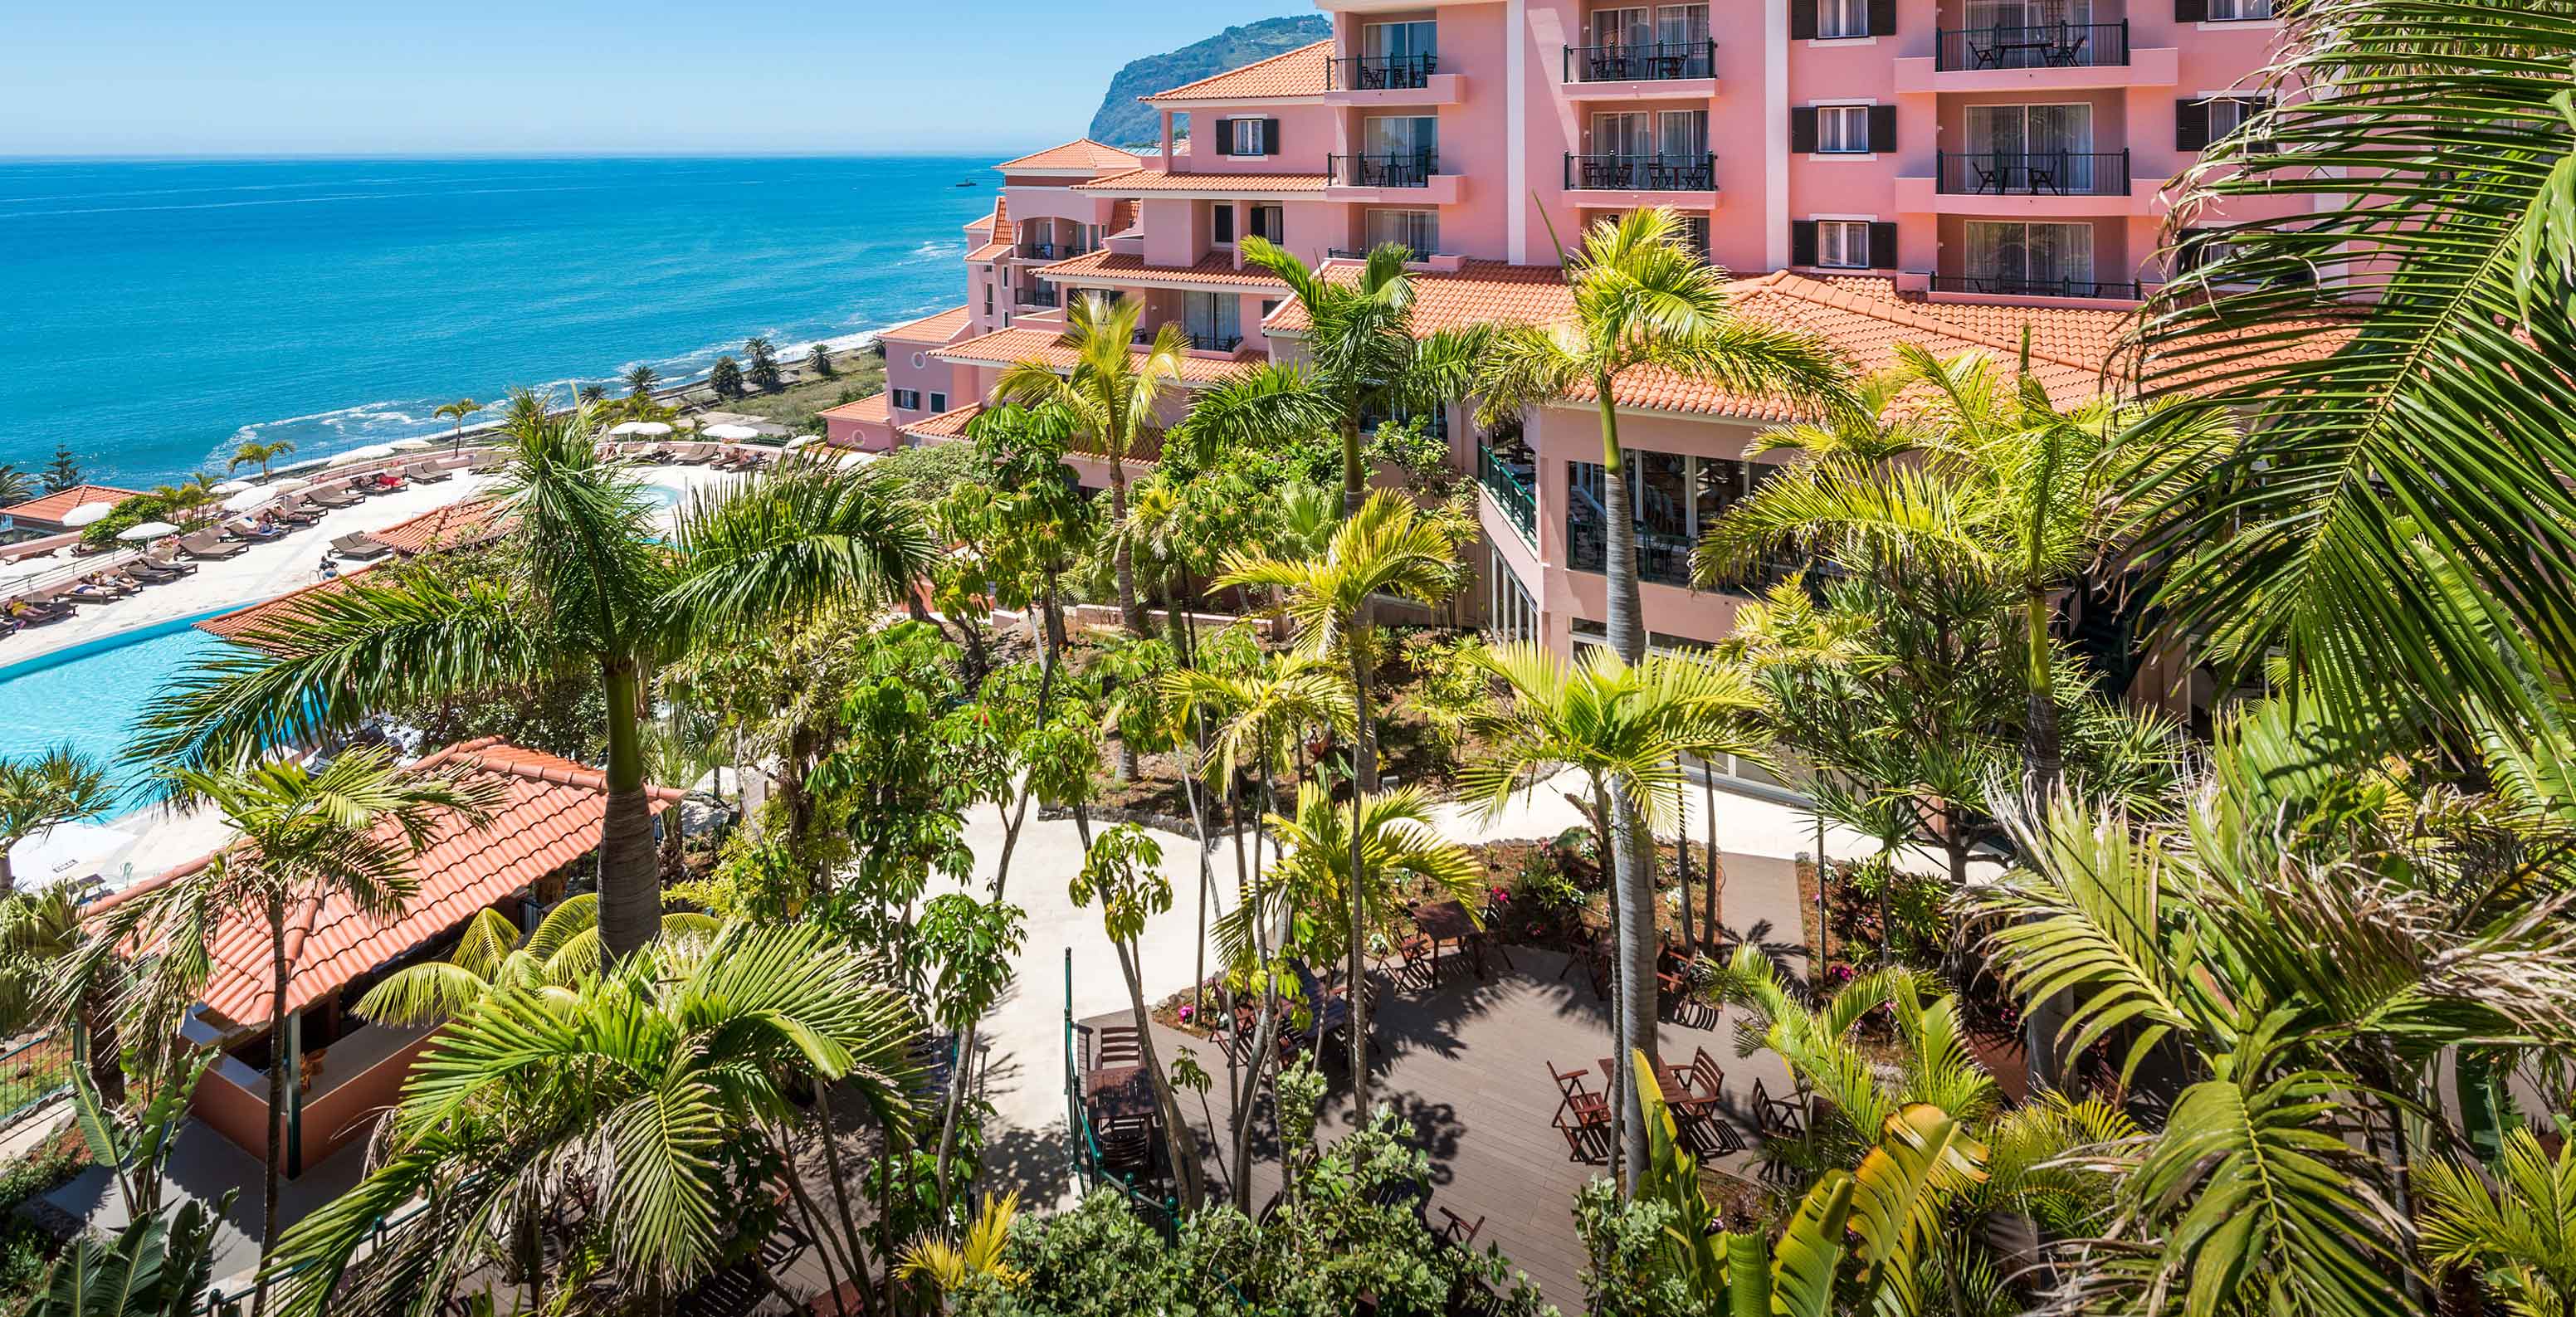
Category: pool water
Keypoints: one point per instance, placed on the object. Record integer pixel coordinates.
(89, 695)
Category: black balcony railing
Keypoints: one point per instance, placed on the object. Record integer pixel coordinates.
(1395, 169)
(1653, 173)
(2008, 285)
(1214, 342)
(1511, 492)
(1411, 255)
(2035, 173)
(1653, 61)
(1037, 297)
(2044, 46)
(1381, 72)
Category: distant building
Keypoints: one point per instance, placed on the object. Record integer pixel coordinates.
(40, 517)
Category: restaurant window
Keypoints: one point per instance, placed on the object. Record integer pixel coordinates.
(1511, 614)
(1673, 499)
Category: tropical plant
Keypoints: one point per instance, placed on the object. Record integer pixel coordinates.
(594, 394)
(2519, 1237)
(351, 832)
(553, 959)
(763, 371)
(1363, 361)
(42, 791)
(1113, 393)
(1309, 891)
(640, 380)
(1386, 548)
(458, 410)
(1122, 871)
(725, 377)
(978, 1257)
(664, 1087)
(255, 453)
(135, 1145)
(62, 471)
(54, 975)
(157, 1266)
(819, 361)
(16, 486)
(1625, 728)
(590, 585)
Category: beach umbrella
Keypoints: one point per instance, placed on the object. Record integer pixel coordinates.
(799, 442)
(410, 445)
(231, 487)
(147, 530)
(289, 486)
(731, 433)
(64, 852)
(87, 513)
(370, 453)
(245, 499)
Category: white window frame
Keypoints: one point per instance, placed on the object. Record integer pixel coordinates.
(1841, 20)
(2241, 11)
(908, 400)
(938, 403)
(1410, 221)
(1852, 121)
(1259, 136)
(1844, 245)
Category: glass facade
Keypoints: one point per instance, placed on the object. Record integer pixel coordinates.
(1673, 500)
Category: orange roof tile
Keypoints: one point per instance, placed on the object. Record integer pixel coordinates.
(455, 526)
(1109, 267)
(998, 230)
(549, 816)
(55, 506)
(871, 408)
(1009, 347)
(939, 327)
(1082, 153)
(1148, 181)
(1299, 72)
(950, 424)
(254, 624)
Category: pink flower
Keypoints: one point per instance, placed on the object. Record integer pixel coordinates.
(1186, 1012)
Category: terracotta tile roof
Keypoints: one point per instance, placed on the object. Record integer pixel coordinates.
(457, 525)
(55, 506)
(549, 816)
(1148, 181)
(870, 408)
(248, 625)
(1110, 267)
(950, 424)
(1009, 347)
(1479, 292)
(998, 230)
(1299, 72)
(991, 251)
(1082, 153)
(936, 328)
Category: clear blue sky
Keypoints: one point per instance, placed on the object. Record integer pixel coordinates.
(159, 77)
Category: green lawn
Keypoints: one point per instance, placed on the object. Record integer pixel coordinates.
(856, 374)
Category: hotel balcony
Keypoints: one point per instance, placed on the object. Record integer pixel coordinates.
(1043, 297)
(2044, 57)
(1050, 251)
(1644, 179)
(1371, 80)
(1410, 177)
(1666, 69)
(2022, 286)
(1511, 492)
(2032, 184)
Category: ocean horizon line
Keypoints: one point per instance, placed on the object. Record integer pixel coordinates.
(538, 156)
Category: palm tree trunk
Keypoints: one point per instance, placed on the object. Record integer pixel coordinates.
(1708, 793)
(630, 891)
(2042, 768)
(840, 1182)
(1638, 944)
(1180, 1143)
(8, 872)
(277, 1079)
(1363, 782)
(1627, 632)
(1131, 610)
(1354, 480)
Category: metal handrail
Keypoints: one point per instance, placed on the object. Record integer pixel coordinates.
(1646, 173)
(2012, 286)
(1387, 169)
(2033, 173)
(1381, 72)
(1650, 61)
(1511, 494)
(2035, 46)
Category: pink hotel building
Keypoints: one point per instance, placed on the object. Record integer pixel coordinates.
(1942, 172)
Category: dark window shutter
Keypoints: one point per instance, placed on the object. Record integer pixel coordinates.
(1882, 18)
(1882, 246)
(1882, 128)
(1802, 128)
(2191, 125)
(1802, 242)
(1802, 19)
(1269, 137)
(1225, 137)
(1222, 226)
(2191, 11)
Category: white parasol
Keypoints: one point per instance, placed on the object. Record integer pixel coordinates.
(731, 433)
(245, 500)
(370, 453)
(88, 512)
(411, 445)
(231, 487)
(147, 530)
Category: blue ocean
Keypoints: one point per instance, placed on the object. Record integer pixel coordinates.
(155, 315)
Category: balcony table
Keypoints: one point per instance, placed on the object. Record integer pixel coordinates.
(1113, 1094)
(1447, 923)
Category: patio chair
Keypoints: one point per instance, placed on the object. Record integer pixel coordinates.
(1782, 1120)
(1126, 1147)
(145, 569)
(1116, 1044)
(1586, 1127)
(39, 612)
(296, 512)
(429, 472)
(387, 482)
(1331, 1011)
(1457, 1231)
(172, 562)
(1698, 1108)
(206, 544)
(334, 498)
(360, 545)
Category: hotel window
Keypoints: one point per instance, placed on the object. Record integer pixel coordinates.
(1841, 18)
(1418, 231)
(1623, 27)
(1682, 25)
(1393, 44)
(988, 299)
(1843, 244)
(1266, 222)
(1842, 129)
(1511, 615)
(1408, 136)
(2227, 11)
(939, 402)
(1212, 320)
(1681, 135)
(1221, 222)
(1247, 137)
(907, 400)
(2199, 123)
(2032, 260)
(1695, 234)
(1674, 500)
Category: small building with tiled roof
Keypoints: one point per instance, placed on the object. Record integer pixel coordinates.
(1080, 158)
(544, 826)
(1294, 74)
(867, 424)
(44, 514)
(464, 524)
(257, 625)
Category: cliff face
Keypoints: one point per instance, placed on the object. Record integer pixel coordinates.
(1123, 121)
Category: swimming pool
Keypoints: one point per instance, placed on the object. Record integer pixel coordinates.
(89, 694)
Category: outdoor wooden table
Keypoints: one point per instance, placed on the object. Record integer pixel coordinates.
(1448, 922)
(1119, 1092)
(1674, 1082)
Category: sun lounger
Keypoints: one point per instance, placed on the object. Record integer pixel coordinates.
(148, 571)
(692, 455)
(170, 563)
(38, 612)
(297, 512)
(429, 473)
(360, 545)
(334, 498)
(205, 544)
(252, 530)
(386, 482)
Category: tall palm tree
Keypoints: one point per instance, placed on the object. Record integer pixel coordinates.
(1387, 548)
(1363, 361)
(58, 786)
(260, 454)
(16, 486)
(554, 958)
(590, 586)
(458, 411)
(653, 1086)
(350, 832)
(640, 380)
(2394, 530)
(1114, 391)
(1625, 728)
(763, 358)
(1399, 845)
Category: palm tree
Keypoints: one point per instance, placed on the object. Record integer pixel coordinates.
(725, 377)
(58, 786)
(462, 408)
(1399, 845)
(819, 361)
(2376, 539)
(16, 486)
(764, 363)
(590, 586)
(593, 394)
(351, 831)
(653, 1086)
(640, 379)
(1387, 548)
(54, 973)
(1625, 728)
(2517, 1236)
(554, 958)
(1122, 870)
(260, 454)
(1113, 391)
(1363, 361)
